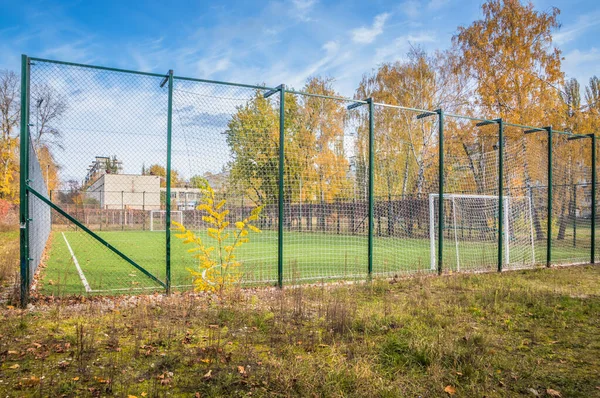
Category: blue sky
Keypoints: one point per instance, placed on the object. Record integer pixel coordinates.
(272, 42)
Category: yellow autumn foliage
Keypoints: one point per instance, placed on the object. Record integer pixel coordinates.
(218, 267)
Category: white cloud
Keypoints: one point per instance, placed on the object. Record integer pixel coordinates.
(400, 46)
(367, 35)
(75, 51)
(302, 9)
(207, 67)
(437, 4)
(582, 64)
(304, 4)
(571, 32)
(331, 46)
(411, 8)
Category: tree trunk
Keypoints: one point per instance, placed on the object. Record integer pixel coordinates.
(562, 221)
(539, 233)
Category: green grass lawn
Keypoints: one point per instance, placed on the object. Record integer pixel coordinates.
(307, 257)
(529, 333)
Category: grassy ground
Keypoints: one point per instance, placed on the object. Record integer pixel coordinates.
(522, 333)
(9, 261)
(307, 256)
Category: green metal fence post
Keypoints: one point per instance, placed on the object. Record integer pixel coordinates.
(549, 226)
(281, 182)
(371, 186)
(500, 192)
(441, 191)
(168, 183)
(593, 247)
(23, 194)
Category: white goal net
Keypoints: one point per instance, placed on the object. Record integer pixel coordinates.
(158, 219)
(471, 232)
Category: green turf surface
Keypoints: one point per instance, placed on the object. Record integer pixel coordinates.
(307, 257)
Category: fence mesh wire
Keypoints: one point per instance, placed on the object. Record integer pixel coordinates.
(99, 152)
(325, 189)
(524, 178)
(470, 193)
(571, 207)
(227, 136)
(405, 173)
(107, 133)
(597, 193)
(40, 224)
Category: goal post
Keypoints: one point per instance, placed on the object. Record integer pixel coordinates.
(478, 216)
(158, 219)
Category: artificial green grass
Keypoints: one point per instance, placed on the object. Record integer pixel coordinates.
(308, 257)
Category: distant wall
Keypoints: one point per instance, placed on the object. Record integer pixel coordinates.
(127, 191)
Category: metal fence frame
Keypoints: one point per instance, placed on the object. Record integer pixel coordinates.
(27, 190)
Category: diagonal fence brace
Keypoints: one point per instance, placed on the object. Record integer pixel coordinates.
(95, 236)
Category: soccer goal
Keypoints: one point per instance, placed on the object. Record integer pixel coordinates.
(471, 229)
(158, 219)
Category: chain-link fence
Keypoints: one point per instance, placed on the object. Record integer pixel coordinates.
(348, 188)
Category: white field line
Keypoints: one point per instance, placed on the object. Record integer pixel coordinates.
(81, 275)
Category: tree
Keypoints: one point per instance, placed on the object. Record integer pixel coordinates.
(49, 167)
(198, 181)
(253, 138)
(158, 170)
(9, 114)
(405, 146)
(592, 99)
(516, 71)
(324, 164)
(47, 108)
(315, 167)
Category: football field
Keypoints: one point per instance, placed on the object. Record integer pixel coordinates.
(78, 264)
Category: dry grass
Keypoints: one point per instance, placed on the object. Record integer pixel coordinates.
(520, 333)
(9, 260)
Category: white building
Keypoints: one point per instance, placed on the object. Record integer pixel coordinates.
(126, 191)
(184, 198)
(139, 192)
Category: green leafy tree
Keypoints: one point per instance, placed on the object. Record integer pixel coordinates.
(253, 138)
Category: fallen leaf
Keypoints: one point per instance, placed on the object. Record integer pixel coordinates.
(241, 370)
(450, 390)
(553, 393)
(31, 381)
(208, 374)
(75, 378)
(132, 396)
(15, 366)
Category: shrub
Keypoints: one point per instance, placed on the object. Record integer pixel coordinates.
(218, 266)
